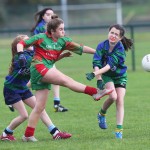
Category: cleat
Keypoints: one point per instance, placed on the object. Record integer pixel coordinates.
(11, 108)
(101, 93)
(8, 137)
(102, 121)
(62, 135)
(118, 134)
(59, 108)
(29, 139)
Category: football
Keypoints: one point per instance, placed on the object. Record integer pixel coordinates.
(146, 62)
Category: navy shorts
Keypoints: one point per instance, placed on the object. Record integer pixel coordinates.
(11, 97)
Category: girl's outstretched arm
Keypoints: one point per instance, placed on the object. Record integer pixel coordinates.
(89, 50)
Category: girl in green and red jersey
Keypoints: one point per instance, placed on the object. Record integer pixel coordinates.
(17, 93)
(110, 69)
(48, 47)
(42, 17)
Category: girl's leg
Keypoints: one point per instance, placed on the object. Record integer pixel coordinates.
(35, 115)
(23, 115)
(44, 116)
(41, 99)
(56, 95)
(54, 76)
(39, 112)
(120, 111)
(112, 97)
(120, 105)
(56, 90)
(108, 102)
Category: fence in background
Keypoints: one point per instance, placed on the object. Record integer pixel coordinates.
(132, 29)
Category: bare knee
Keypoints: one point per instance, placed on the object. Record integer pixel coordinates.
(113, 97)
(39, 110)
(24, 117)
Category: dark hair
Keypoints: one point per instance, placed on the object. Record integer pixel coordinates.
(14, 50)
(127, 43)
(54, 23)
(38, 17)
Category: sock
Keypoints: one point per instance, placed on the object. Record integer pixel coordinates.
(90, 90)
(56, 101)
(119, 127)
(29, 131)
(102, 112)
(51, 127)
(54, 131)
(7, 131)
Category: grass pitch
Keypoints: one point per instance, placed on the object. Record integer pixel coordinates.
(81, 119)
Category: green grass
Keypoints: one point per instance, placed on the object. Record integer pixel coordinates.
(81, 119)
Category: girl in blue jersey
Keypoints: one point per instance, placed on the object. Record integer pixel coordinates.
(110, 69)
(42, 18)
(16, 93)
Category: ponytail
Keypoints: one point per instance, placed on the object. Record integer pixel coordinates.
(127, 43)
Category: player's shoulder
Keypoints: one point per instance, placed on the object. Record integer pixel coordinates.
(120, 46)
(103, 44)
(40, 35)
(40, 24)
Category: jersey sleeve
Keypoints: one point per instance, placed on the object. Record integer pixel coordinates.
(97, 57)
(33, 40)
(68, 44)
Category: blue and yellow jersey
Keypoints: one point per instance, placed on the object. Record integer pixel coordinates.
(115, 59)
(18, 79)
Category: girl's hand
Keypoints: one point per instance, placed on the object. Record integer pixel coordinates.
(67, 54)
(100, 84)
(22, 60)
(90, 76)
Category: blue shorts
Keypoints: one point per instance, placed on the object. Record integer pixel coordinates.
(11, 97)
